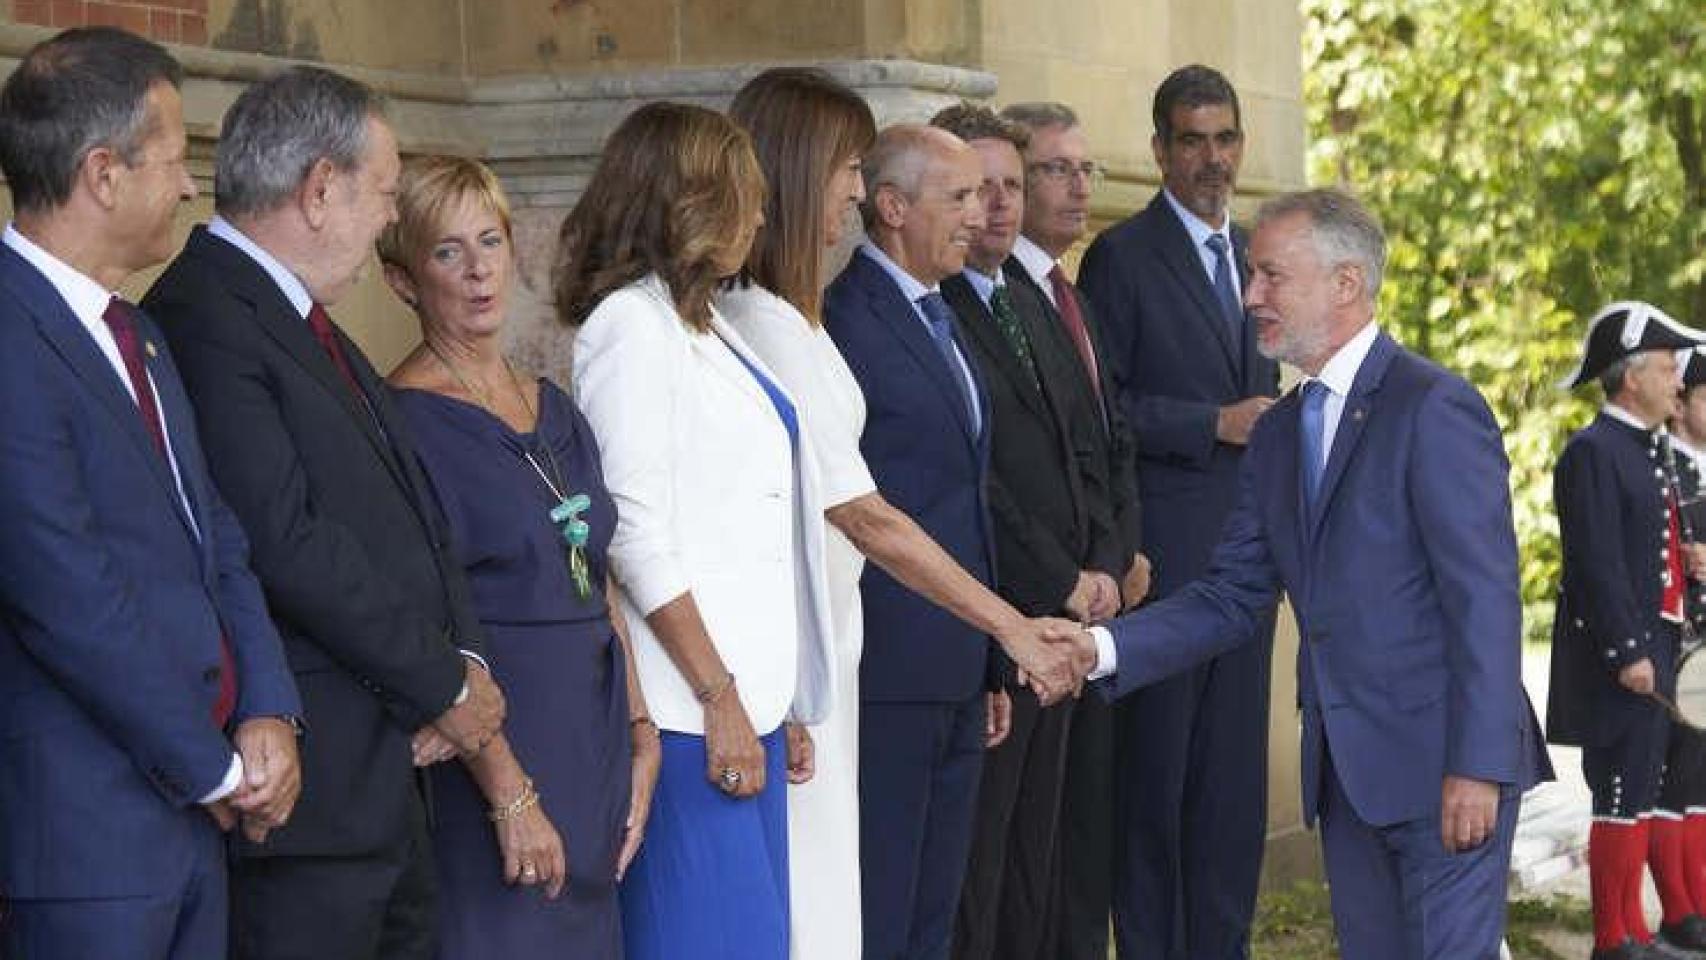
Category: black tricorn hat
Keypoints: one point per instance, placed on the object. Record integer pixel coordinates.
(1626, 328)
(1691, 363)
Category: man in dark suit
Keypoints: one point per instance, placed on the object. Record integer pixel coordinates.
(145, 704)
(347, 543)
(1615, 639)
(1057, 549)
(1058, 176)
(923, 709)
(1377, 496)
(1167, 284)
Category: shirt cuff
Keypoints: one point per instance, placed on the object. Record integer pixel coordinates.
(228, 786)
(1107, 660)
(462, 694)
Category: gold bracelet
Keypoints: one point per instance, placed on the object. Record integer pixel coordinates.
(711, 694)
(642, 720)
(509, 811)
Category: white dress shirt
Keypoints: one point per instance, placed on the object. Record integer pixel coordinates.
(1200, 232)
(1038, 264)
(1338, 374)
(88, 301)
(983, 284)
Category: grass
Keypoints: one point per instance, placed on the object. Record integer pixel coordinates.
(1296, 923)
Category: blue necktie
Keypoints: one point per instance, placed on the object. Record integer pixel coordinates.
(1310, 434)
(940, 319)
(1224, 291)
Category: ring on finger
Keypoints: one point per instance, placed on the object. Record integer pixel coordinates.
(729, 779)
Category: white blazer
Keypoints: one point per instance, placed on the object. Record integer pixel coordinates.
(711, 499)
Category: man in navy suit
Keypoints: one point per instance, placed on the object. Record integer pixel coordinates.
(1376, 495)
(923, 711)
(145, 704)
(1192, 773)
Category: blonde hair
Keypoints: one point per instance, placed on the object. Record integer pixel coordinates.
(430, 189)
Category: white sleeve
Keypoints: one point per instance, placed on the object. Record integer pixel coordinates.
(627, 371)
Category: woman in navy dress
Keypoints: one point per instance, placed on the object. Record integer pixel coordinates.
(533, 833)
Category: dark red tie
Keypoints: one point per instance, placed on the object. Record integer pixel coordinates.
(321, 324)
(1073, 319)
(120, 318)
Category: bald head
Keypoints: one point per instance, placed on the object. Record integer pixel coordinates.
(921, 199)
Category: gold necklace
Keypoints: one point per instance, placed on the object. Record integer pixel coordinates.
(566, 513)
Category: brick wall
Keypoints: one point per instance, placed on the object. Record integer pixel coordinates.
(168, 21)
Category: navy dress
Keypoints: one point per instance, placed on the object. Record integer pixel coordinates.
(559, 663)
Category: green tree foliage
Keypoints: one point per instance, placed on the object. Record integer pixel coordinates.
(1532, 161)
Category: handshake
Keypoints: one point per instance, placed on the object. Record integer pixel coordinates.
(1054, 656)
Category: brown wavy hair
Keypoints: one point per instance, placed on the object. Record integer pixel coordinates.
(675, 186)
(804, 124)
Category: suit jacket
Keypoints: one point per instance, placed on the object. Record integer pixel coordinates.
(1609, 487)
(1113, 448)
(112, 603)
(1051, 517)
(1404, 580)
(709, 494)
(928, 462)
(351, 552)
(1176, 363)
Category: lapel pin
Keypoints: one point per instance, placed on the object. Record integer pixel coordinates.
(1356, 414)
(149, 346)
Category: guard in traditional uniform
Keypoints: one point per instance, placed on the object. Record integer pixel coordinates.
(1678, 844)
(1620, 607)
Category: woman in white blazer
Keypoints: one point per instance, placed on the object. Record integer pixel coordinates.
(718, 549)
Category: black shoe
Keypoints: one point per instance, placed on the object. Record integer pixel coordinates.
(1689, 933)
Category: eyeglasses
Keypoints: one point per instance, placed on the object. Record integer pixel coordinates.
(1060, 170)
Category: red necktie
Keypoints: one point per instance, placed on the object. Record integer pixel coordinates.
(321, 324)
(121, 320)
(1073, 320)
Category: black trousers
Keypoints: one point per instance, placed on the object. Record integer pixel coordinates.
(382, 906)
(1010, 889)
(1086, 871)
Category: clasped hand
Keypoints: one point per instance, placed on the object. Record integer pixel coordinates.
(272, 779)
(465, 728)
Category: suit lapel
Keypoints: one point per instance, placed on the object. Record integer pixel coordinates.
(179, 415)
(1353, 421)
(66, 335)
(977, 323)
(903, 320)
(1181, 257)
(277, 317)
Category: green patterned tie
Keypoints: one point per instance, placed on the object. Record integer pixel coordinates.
(1001, 304)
